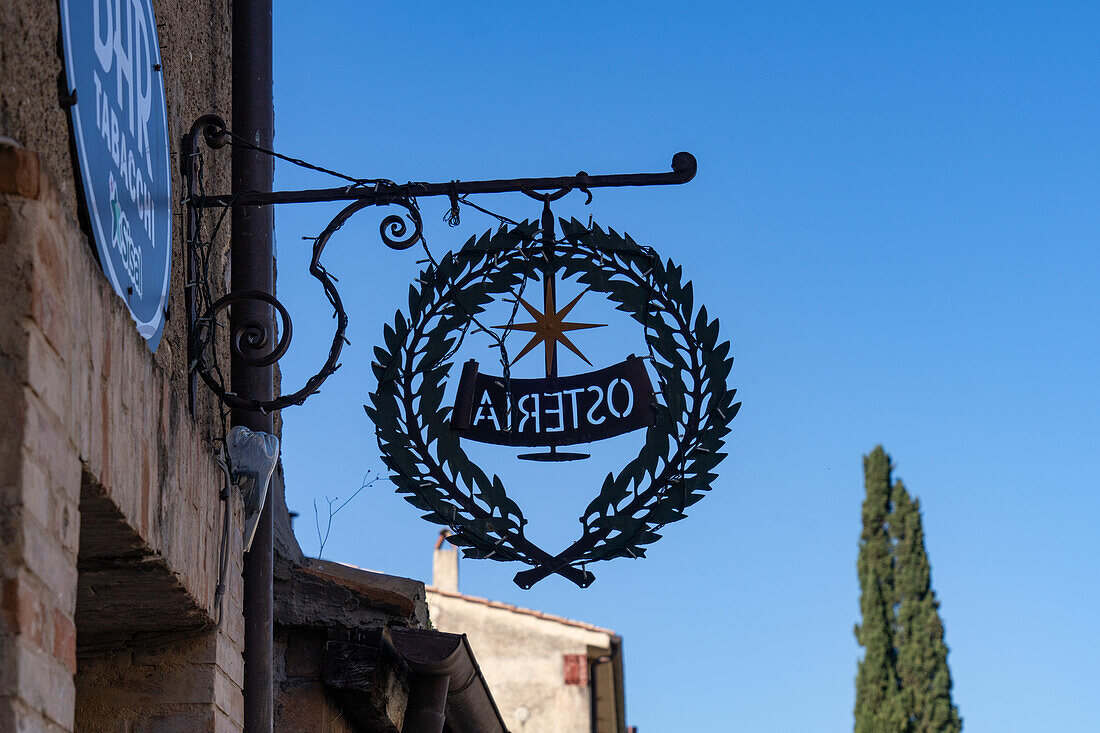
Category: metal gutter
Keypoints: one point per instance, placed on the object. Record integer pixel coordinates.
(442, 662)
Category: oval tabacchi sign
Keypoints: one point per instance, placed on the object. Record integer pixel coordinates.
(120, 131)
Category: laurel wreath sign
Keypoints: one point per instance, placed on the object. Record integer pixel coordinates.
(673, 470)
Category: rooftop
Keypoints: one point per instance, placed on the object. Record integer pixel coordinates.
(523, 611)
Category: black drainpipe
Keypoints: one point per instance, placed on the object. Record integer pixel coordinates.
(253, 118)
(426, 711)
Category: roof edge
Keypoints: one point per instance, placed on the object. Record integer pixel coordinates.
(520, 610)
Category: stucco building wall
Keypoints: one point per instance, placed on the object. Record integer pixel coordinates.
(548, 674)
(522, 658)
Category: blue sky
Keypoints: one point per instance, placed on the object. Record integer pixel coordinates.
(894, 219)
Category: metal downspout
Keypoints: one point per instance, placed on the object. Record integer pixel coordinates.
(253, 117)
(426, 711)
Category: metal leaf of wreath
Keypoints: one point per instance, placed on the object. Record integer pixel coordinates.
(675, 467)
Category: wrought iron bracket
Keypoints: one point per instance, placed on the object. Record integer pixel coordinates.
(253, 343)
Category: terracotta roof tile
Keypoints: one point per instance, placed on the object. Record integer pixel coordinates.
(523, 611)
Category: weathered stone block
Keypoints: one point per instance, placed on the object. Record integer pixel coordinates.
(22, 610)
(51, 277)
(48, 377)
(228, 697)
(20, 171)
(225, 724)
(64, 639)
(187, 722)
(45, 685)
(50, 564)
(35, 492)
(47, 441)
(21, 718)
(229, 658)
(65, 523)
(303, 654)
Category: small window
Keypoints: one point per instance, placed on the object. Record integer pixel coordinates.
(575, 669)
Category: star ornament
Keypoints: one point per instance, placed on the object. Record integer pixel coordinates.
(549, 330)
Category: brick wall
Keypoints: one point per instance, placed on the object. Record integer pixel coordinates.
(109, 512)
(94, 432)
(39, 475)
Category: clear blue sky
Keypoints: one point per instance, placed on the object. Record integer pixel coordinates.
(895, 219)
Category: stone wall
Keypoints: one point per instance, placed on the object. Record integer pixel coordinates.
(169, 686)
(328, 609)
(302, 704)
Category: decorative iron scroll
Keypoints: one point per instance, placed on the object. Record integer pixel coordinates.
(690, 413)
(252, 339)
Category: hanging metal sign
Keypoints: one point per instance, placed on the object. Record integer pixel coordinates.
(120, 131)
(685, 419)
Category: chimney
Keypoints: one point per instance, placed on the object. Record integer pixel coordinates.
(445, 565)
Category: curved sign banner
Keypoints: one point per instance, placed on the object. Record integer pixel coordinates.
(555, 411)
(120, 131)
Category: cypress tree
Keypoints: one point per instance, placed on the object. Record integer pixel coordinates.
(923, 675)
(878, 703)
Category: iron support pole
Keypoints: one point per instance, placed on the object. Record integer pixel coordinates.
(253, 269)
(684, 167)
